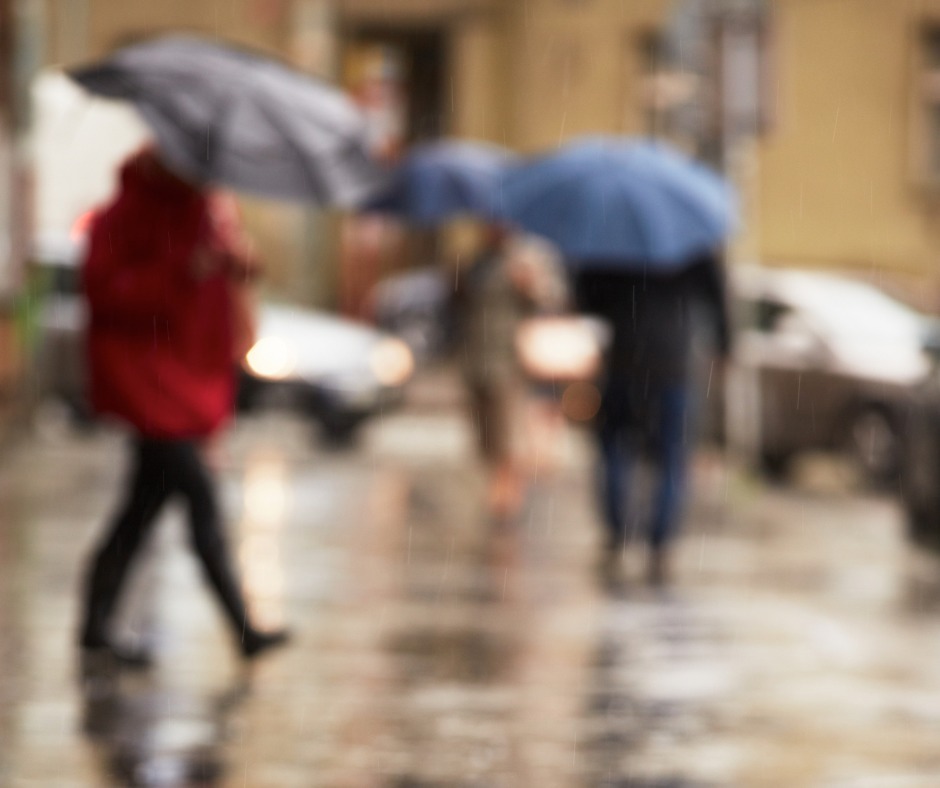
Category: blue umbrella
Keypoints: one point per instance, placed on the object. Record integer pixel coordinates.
(615, 202)
(441, 180)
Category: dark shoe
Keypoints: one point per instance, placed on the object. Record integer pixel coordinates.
(613, 550)
(255, 643)
(111, 655)
(659, 571)
(610, 568)
(610, 559)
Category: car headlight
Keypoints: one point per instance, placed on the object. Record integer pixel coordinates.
(558, 348)
(392, 362)
(271, 358)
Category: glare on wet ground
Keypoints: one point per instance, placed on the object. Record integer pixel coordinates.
(800, 644)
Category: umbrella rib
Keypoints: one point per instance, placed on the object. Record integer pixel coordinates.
(635, 206)
(522, 204)
(642, 232)
(226, 113)
(321, 192)
(215, 133)
(692, 205)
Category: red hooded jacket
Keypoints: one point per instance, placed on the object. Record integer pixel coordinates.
(160, 339)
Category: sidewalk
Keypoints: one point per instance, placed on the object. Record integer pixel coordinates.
(799, 645)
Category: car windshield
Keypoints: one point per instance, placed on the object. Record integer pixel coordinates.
(854, 311)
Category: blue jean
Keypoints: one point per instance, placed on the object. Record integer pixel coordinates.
(629, 417)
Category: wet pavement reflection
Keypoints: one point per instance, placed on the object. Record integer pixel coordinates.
(146, 734)
(800, 644)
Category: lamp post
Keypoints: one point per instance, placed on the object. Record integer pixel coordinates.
(723, 46)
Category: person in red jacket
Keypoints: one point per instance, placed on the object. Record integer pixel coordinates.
(167, 278)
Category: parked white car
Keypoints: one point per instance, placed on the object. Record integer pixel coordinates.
(339, 372)
(836, 363)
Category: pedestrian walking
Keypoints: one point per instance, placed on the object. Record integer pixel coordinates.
(168, 278)
(635, 220)
(538, 271)
(493, 297)
(646, 390)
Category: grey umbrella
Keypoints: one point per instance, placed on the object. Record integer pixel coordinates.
(232, 117)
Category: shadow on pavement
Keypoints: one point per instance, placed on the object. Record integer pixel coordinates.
(148, 735)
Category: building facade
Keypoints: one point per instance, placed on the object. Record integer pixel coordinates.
(845, 173)
(848, 174)
(843, 169)
(20, 51)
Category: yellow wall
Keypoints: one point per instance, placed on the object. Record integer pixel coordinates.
(295, 244)
(838, 174)
(836, 183)
(836, 180)
(477, 63)
(81, 30)
(531, 73)
(244, 21)
(574, 68)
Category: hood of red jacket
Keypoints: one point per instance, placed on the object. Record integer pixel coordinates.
(145, 174)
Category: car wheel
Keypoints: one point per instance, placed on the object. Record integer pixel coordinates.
(919, 490)
(247, 395)
(59, 416)
(81, 416)
(874, 443)
(339, 430)
(776, 465)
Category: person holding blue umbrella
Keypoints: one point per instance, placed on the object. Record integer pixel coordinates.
(438, 181)
(493, 296)
(641, 227)
(449, 179)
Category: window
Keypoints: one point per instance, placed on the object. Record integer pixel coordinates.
(929, 105)
(761, 314)
(654, 101)
(769, 315)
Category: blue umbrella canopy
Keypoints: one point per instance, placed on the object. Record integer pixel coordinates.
(616, 202)
(228, 116)
(442, 180)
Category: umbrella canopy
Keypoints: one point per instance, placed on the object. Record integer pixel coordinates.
(231, 117)
(438, 181)
(613, 202)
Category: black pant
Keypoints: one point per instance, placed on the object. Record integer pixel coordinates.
(162, 468)
(628, 415)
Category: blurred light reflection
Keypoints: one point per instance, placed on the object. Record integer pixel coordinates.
(266, 509)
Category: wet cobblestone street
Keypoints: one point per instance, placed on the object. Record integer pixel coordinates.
(799, 645)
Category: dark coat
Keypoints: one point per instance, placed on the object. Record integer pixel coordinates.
(653, 317)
